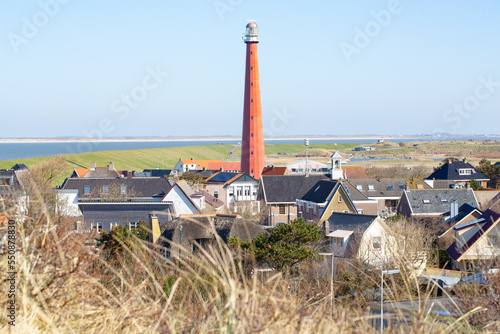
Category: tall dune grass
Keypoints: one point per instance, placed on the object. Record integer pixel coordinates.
(64, 286)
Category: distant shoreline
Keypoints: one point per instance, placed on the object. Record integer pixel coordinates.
(222, 138)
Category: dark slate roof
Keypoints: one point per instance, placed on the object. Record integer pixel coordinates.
(354, 193)
(490, 217)
(140, 187)
(102, 172)
(463, 211)
(221, 177)
(443, 184)
(205, 174)
(157, 172)
(381, 187)
(320, 192)
(350, 222)
(106, 212)
(435, 196)
(19, 167)
(449, 171)
(287, 188)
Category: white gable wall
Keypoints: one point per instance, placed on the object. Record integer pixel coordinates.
(67, 202)
(181, 203)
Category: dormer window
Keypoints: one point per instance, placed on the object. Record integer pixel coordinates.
(465, 171)
(427, 201)
(359, 187)
(371, 187)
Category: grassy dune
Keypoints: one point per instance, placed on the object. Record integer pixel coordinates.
(167, 157)
(137, 160)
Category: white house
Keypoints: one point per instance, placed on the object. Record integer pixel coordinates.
(367, 239)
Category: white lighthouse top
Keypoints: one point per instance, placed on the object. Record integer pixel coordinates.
(252, 33)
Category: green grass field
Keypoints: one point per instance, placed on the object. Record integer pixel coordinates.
(136, 160)
(167, 157)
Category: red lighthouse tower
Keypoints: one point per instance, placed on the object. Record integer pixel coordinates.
(252, 150)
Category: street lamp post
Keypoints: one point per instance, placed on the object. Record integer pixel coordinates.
(180, 246)
(306, 142)
(331, 277)
(382, 272)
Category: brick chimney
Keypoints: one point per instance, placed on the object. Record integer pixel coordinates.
(465, 160)
(93, 165)
(129, 174)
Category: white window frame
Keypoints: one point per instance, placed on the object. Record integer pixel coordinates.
(216, 194)
(112, 224)
(86, 189)
(132, 225)
(123, 189)
(371, 187)
(105, 189)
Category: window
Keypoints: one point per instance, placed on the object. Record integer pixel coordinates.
(247, 190)
(251, 67)
(86, 190)
(340, 198)
(371, 187)
(465, 171)
(390, 187)
(105, 189)
(427, 201)
(239, 191)
(124, 189)
(359, 187)
(360, 211)
(254, 193)
(444, 201)
(5, 182)
(314, 209)
(377, 242)
(78, 225)
(231, 191)
(216, 193)
(281, 209)
(132, 225)
(401, 186)
(96, 226)
(112, 224)
(251, 100)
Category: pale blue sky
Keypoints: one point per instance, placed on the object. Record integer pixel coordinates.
(68, 78)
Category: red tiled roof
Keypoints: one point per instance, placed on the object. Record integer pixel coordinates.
(81, 172)
(354, 172)
(267, 171)
(225, 165)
